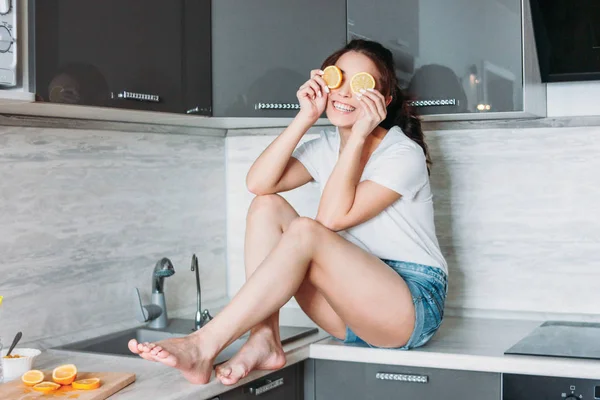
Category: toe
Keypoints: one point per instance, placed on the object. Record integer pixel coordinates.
(224, 371)
(161, 353)
(154, 350)
(133, 346)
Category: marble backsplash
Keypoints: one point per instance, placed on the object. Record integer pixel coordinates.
(517, 216)
(85, 215)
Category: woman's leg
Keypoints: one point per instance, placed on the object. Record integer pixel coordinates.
(368, 295)
(268, 217)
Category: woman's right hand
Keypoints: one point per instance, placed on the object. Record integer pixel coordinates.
(313, 96)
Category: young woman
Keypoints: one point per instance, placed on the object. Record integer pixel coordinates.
(368, 268)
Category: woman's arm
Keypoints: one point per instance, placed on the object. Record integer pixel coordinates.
(346, 202)
(275, 170)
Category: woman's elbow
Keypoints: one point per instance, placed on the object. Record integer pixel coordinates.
(257, 189)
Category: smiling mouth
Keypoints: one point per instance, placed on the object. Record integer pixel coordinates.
(345, 108)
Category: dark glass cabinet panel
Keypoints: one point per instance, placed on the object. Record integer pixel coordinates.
(135, 54)
(462, 56)
(263, 50)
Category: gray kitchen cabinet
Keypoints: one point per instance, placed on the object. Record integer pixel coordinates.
(263, 50)
(285, 384)
(462, 59)
(348, 380)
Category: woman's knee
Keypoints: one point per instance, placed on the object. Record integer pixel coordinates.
(268, 203)
(306, 229)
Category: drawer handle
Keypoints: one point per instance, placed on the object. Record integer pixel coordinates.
(269, 385)
(441, 102)
(137, 96)
(384, 376)
(276, 106)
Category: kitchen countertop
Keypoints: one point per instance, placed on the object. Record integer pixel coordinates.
(476, 344)
(156, 381)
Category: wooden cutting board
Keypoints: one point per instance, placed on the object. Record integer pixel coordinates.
(110, 383)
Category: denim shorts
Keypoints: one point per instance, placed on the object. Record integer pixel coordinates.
(428, 286)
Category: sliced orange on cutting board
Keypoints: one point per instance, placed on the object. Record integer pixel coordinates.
(362, 80)
(86, 384)
(332, 76)
(64, 374)
(46, 387)
(32, 377)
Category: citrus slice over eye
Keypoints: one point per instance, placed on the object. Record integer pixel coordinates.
(32, 377)
(332, 76)
(362, 80)
(86, 384)
(46, 387)
(64, 374)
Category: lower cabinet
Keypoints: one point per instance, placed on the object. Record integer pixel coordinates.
(348, 380)
(285, 384)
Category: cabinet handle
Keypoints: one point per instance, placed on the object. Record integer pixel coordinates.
(276, 106)
(136, 96)
(269, 385)
(384, 376)
(439, 102)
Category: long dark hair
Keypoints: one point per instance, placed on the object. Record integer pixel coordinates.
(399, 111)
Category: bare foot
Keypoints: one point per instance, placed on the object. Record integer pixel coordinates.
(181, 353)
(140, 349)
(262, 351)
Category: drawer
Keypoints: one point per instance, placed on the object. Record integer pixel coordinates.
(285, 384)
(348, 380)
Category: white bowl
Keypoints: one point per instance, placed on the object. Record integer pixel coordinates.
(15, 367)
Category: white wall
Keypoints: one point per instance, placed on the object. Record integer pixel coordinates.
(516, 213)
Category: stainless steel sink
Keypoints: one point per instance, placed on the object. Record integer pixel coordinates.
(116, 343)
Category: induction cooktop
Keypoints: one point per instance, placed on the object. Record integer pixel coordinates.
(561, 339)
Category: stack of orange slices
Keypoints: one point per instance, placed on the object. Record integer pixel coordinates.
(63, 375)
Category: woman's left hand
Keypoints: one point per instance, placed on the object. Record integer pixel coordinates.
(374, 110)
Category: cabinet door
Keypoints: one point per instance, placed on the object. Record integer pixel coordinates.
(263, 50)
(285, 384)
(107, 53)
(459, 56)
(346, 380)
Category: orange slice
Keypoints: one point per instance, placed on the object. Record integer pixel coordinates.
(32, 377)
(46, 387)
(64, 374)
(362, 80)
(86, 384)
(332, 77)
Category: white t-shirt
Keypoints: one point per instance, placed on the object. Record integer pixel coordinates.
(404, 231)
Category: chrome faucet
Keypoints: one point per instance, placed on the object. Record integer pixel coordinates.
(202, 316)
(156, 312)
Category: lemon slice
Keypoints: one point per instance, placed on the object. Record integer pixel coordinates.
(32, 377)
(64, 374)
(362, 80)
(86, 384)
(46, 387)
(332, 76)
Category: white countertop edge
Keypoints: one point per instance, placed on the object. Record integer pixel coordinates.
(508, 364)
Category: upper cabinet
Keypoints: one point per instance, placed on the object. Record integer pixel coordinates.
(263, 50)
(134, 54)
(461, 59)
